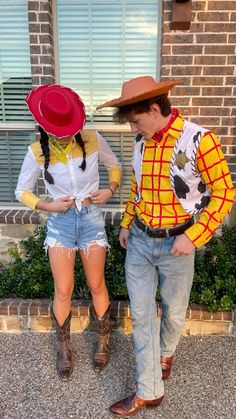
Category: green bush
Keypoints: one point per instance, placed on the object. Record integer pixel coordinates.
(214, 285)
(215, 272)
(29, 275)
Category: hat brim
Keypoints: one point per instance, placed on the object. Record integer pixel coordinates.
(119, 102)
(78, 113)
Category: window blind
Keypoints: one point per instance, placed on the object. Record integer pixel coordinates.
(15, 70)
(13, 147)
(102, 43)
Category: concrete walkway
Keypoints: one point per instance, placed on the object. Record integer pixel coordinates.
(202, 385)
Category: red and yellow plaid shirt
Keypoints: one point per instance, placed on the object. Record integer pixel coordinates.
(159, 207)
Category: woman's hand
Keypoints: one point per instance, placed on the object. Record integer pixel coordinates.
(59, 205)
(101, 196)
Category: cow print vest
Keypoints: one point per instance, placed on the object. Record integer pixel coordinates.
(187, 183)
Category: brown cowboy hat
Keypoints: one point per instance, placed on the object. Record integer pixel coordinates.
(138, 89)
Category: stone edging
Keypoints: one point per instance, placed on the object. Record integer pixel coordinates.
(19, 315)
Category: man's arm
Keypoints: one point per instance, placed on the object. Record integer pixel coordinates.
(214, 170)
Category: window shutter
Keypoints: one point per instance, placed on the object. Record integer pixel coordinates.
(13, 147)
(15, 70)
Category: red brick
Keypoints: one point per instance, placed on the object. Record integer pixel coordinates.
(219, 111)
(220, 27)
(213, 16)
(24, 307)
(34, 307)
(14, 306)
(206, 315)
(187, 91)
(218, 71)
(216, 91)
(185, 71)
(124, 308)
(85, 308)
(218, 315)
(4, 306)
(208, 81)
(210, 60)
(195, 313)
(227, 315)
(44, 308)
(221, 5)
(188, 50)
(219, 49)
(208, 38)
(174, 38)
(207, 101)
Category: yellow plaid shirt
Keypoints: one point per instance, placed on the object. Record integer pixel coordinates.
(159, 207)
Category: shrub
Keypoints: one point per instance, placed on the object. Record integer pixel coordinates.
(214, 285)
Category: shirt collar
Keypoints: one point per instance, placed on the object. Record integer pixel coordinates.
(173, 128)
(177, 127)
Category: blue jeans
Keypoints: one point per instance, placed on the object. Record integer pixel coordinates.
(148, 260)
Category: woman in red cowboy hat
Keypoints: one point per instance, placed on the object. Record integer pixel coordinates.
(68, 157)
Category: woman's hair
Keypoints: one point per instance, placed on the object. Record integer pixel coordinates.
(79, 141)
(122, 114)
(46, 152)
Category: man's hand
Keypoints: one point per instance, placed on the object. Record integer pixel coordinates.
(182, 246)
(123, 237)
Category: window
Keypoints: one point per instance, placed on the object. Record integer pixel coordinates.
(102, 43)
(15, 83)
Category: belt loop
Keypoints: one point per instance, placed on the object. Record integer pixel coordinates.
(167, 233)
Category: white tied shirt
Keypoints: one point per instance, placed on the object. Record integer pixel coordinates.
(69, 179)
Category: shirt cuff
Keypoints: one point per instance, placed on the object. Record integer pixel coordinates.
(29, 199)
(115, 175)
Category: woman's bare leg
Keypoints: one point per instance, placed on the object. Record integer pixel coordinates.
(93, 261)
(62, 262)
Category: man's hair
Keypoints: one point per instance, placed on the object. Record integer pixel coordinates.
(122, 114)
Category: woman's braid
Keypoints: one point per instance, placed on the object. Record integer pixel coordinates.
(79, 141)
(46, 153)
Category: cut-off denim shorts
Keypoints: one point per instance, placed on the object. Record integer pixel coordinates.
(75, 229)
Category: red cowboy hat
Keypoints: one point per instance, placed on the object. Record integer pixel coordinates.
(58, 109)
(138, 89)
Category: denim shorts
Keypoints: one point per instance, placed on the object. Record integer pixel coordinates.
(75, 229)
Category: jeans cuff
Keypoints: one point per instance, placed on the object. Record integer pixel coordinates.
(149, 397)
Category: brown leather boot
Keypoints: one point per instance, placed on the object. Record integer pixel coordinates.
(166, 364)
(101, 354)
(132, 404)
(64, 356)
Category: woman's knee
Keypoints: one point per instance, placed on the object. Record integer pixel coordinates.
(63, 294)
(97, 287)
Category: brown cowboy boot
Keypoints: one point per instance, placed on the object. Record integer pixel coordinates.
(101, 354)
(64, 356)
(131, 405)
(166, 364)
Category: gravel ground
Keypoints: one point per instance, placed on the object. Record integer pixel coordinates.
(202, 385)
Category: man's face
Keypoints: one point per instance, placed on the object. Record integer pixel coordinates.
(146, 123)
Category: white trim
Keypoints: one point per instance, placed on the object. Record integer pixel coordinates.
(30, 126)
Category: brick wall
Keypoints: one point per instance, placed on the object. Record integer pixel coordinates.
(204, 59)
(41, 42)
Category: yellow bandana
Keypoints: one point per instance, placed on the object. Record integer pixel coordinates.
(61, 149)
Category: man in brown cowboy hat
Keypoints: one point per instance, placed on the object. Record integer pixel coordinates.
(178, 171)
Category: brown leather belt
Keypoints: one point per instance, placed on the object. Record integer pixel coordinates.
(164, 232)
